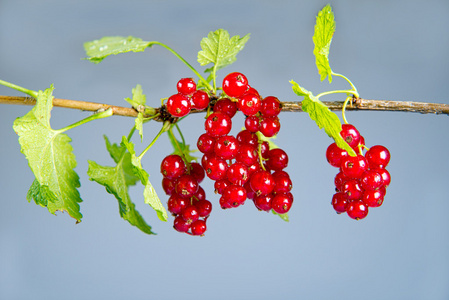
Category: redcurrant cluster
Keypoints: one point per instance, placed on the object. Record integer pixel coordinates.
(243, 166)
(187, 200)
(363, 179)
(188, 97)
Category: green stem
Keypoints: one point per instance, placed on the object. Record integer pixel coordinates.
(19, 88)
(101, 115)
(343, 110)
(183, 60)
(355, 92)
(259, 151)
(336, 92)
(180, 133)
(163, 129)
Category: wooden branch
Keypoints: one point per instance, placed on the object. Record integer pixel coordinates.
(295, 106)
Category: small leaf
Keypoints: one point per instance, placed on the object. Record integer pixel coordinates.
(149, 193)
(269, 140)
(322, 116)
(139, 124)
(219, 49)
(283, 216)
(51, 159)
(322, 38)
(97, 50)
(139, 98)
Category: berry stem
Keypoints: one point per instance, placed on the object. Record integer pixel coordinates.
(259, 152)
(343, 110)
(100, 115)
(354, 90)
(170, 132)
(19, 88)
(185, 62)
(164, 128)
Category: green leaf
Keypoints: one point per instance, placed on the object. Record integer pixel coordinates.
(149, 193)
(221, 50)
(139, 98)
(97, 50)
(283, 216)
(139, 124)
(322, 38)
(50, 158)
(113, 179)
(269, 140)
(322, 116)
(119, 154)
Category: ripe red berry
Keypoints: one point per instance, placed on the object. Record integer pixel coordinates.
(386, 178)
(200, 100)
(246, 137)
(249, 104)
(178, 105)
(198, 227)
(335, 154)
(186, 186)
(378, 157)
(168, 185)
(206, 143)
(282, 203)
(374, 198)
(350, 134)
(180, 224)
(277, 159)
(354, 166)
(226, 106)
(186, 86)
(235, 195)
(262, 183)
(252, 123)
(352, 189)
(270, 107)
(220, 185)
(218, 124)
(173, 166)
(263, 202)
(357, 210)
(216, 168)
(197, 171)
(237, 173)
(371, 180)
(247, 154)
(176, 204)
(282, 182)
(190, 214)
(226, 147)
(340, 202)
(270, 126)
(235, 84)
(204, 207)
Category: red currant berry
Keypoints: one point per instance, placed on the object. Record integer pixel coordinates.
(282, 203)
(176, 204)
(340, 202)
(252, 123)
(220, 185)
(374, 198)
(178, 105)
(200, 100)
(263, 202)
(206, 143)
(282, 182)
(247, 154)
(180, 224)
(186, 86)
(335, 154)
(197, 171)
(237, 173)
(352, 189)
(249, 104)
(339, 181)
(262, 183)
(249, 191)
(168, 185)
(226, 147)
(371, 180)
(235, 195)
(198, 227)
(200, 194)
(350, 134)
(270, 126)
(216, 168)
(235, 84)
(271, 107)
(218, 124)
(173, 166)
(186, 186)
(354, 166)
(204, 207)
(377, 157)
(226, 106)
(246, 137)
(357, 210)
(277, 159)
(224, 204)
(386, 178)
(252, 90)
(190, 214)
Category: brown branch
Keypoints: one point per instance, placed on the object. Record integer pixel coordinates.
(357, 104)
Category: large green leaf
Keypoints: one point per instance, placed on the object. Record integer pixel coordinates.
(50, 158)
(117, 180)
(221, 50)
(322, 116)
(322, 38)
(97, 50)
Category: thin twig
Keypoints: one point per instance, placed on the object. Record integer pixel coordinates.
(294, 106)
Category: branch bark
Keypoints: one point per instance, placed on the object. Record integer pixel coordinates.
(293, 106)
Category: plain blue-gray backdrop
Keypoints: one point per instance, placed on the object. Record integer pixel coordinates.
(393, 50)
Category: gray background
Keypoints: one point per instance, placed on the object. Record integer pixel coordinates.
(390, 49)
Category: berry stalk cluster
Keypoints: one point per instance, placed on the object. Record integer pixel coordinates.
(362, 180)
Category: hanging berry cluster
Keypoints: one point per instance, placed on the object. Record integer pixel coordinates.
(243, 166)
(363, 179)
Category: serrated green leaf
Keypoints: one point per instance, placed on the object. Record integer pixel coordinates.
(50, 158)
(119, 155)
(139, 124)
(282, 216)
(113, 179)
(221, 50)
(322, 38)
(139, 98)
(98, 50)
(322, 116)
(149, 193)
